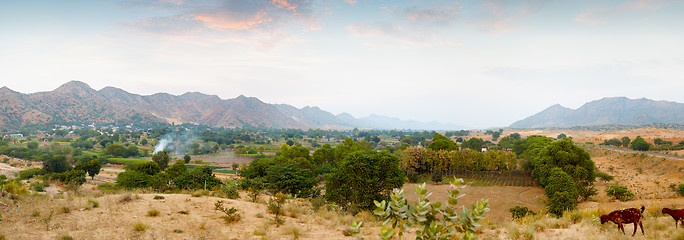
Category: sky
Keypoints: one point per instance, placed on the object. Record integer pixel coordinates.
(478, 64)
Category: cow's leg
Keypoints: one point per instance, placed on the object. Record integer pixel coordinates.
(621, 227)
(635, 228)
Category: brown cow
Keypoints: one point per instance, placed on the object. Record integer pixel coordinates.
(630, 215)
(677, 214)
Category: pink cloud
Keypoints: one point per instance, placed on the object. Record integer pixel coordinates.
(227, 19)
(284, 4)
(352, 2)
(502, 14)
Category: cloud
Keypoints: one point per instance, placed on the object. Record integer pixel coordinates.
(409, 27)
(500, 15)
(599, 15)
(444, 14)
(352, 2)
(241, 20)
(226, 19)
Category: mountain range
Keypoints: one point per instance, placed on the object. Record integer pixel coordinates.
(607, 111)
(77, 103)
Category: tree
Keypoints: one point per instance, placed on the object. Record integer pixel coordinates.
(625, 141)
(187, 158)
(496, 134)
(93, 168)
(440, 142)
(567, 156)
(143, 141)
(561, 136)
(561, 192)
(325, 154)
(363, 177)
(132, 179)
(658, 141)
(32, 145)
(473, 143)
(640, 144)
(162, 159)
(290, 179)
(56, 163)
(116, 150)
(176, 170)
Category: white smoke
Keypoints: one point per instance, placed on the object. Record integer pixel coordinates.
(163, 143)
(176, 142)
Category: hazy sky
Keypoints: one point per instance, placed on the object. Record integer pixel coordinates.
(474, 63)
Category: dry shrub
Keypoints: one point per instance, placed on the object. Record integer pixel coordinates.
(294, 230)
(65, 209)
(153, 213)
(126, 198)
(140, 227)
(294, 210)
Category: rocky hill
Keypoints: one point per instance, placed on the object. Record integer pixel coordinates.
(76, 102)
(607, 111)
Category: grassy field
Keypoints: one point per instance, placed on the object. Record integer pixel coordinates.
(127, 161)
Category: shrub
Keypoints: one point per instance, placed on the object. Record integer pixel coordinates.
(432, 220)
(604, 176)
(290, 179)
(153, 212)
(275, 206)
(29, 173)
(140, 227)
(132, 179)
(65, 209)
(229, 189)
(618, 192)
(231, 214)
(157, 197)
(680, 189)
(125, 198)
(39, 186)
(437, 176)
(93, 202)
(520, 212)
(65, 237)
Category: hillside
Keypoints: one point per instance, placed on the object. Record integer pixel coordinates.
(607, 111)
(76, 102)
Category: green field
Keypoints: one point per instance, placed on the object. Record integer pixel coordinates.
(127, 161)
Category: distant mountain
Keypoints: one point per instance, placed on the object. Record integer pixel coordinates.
(75, 102)
(607, 111)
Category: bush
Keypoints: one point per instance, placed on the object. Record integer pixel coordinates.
(604, 176)
(153, 212)
(680, 189)
(29, 173)
(518, 212)
(290, 179)
(132, 179)
(229, 189)
(437, 176)
(157, 197)
(39, 186)
(231, 214)
(618, 192)
(94, 203)
(433, 220)
(364, 177)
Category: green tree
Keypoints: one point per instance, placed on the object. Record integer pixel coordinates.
(176, 170)
(32, 145)
(473, 143)
(561, 136)
(290, 179)
(187, 158)
(567, 156)
(323, 155)
(162, 159)
(116, 150)
(625, 141)
(561, 192)
(640, 144)
(132, 179)
(93, 168)
(658, 141)
(143, 141)
(440, 142)
(56, 163)
(363, 177)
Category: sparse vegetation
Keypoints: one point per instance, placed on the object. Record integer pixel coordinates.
(231, 214)
(619, 192)
(153, 213)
